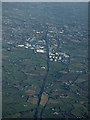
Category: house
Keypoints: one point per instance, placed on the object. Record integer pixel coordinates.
(20, 45)
(26, 47)
(40, 51)
(50, 56)
(55, 60)
(51, 59)
(42, 67)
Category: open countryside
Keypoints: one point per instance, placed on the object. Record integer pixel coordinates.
(45, 60)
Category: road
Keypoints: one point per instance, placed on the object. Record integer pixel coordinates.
(44, 79)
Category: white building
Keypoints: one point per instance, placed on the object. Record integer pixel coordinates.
(40, 51)
(20, 45)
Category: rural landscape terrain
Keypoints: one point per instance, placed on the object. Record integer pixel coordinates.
(45, 60)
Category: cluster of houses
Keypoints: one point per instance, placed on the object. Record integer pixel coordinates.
(38, 45)
(53, 56)
(37, 48)
(58, 56)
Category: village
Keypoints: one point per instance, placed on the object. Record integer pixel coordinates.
(38, 45)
